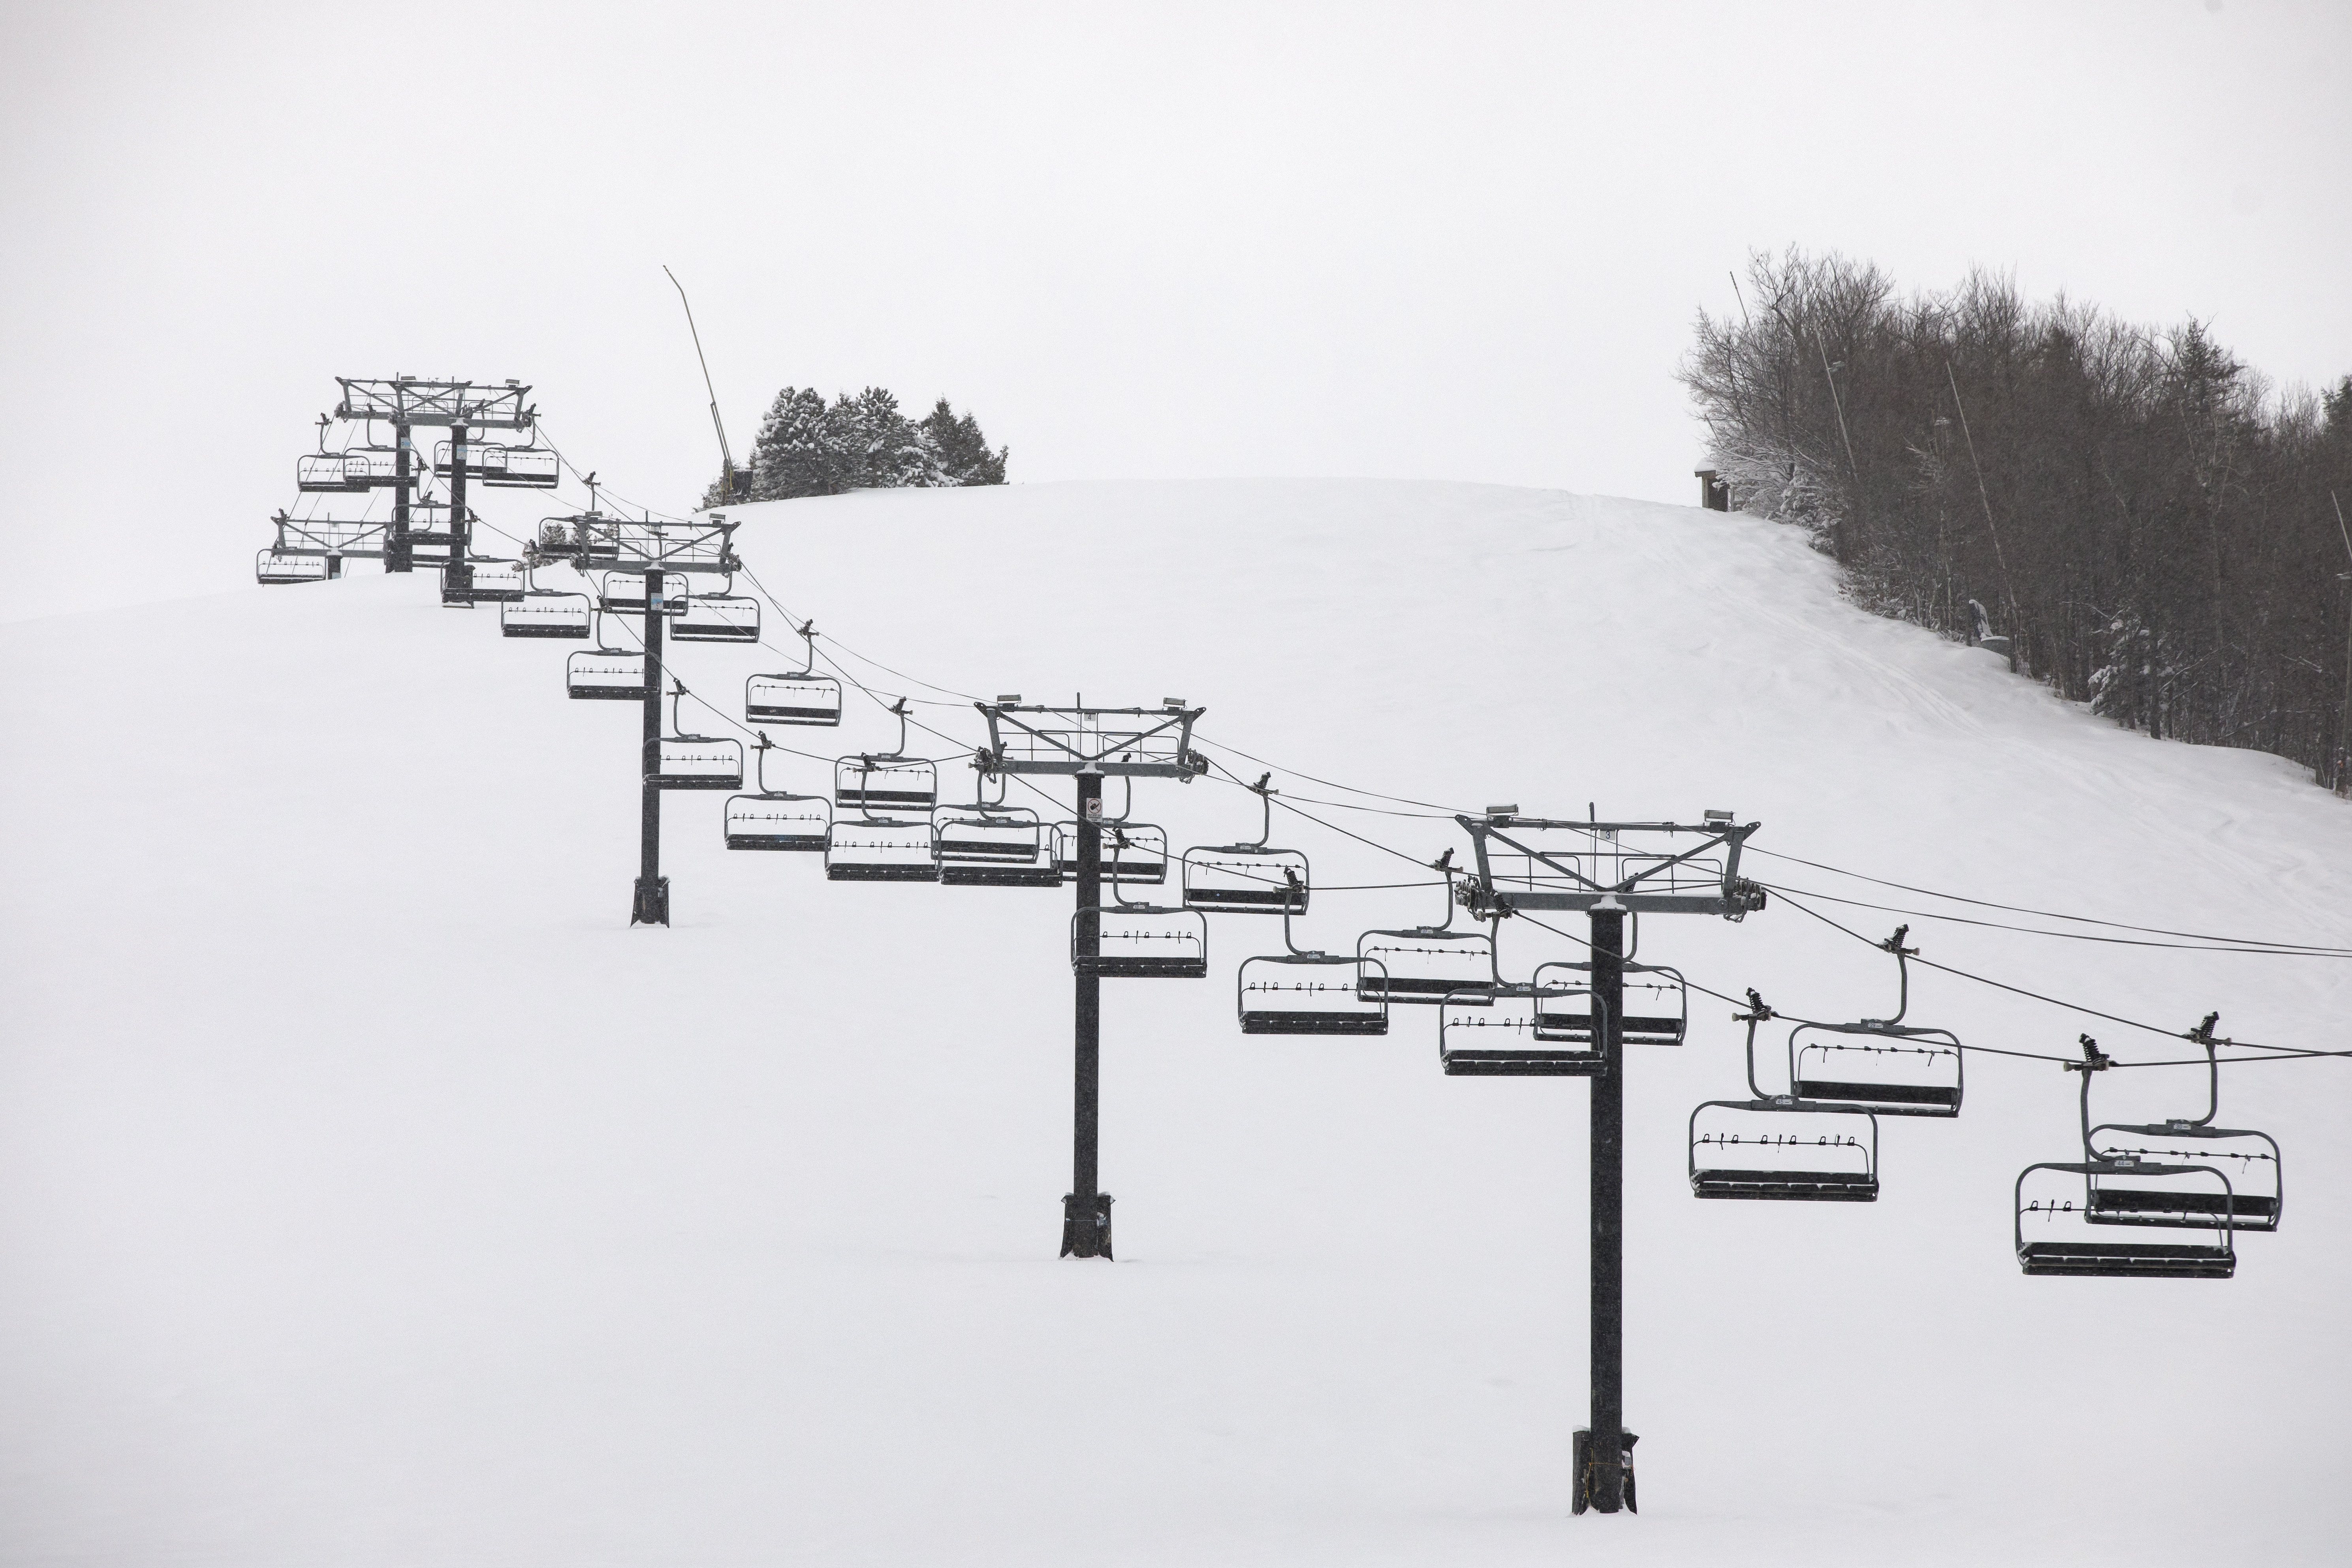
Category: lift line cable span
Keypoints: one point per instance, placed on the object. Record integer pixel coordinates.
(2065, 935)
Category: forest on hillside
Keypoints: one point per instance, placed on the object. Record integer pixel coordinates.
(807, 446)
(2158, 530)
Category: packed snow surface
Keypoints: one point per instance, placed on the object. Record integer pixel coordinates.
(371, 1194)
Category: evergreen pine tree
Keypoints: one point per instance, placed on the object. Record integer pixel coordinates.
(962, 450)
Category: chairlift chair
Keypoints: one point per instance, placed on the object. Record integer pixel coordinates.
(1878, 1064)
(501, 467)
(2139, 1192)
(1747, 1149)
(272, 570)
(547, 612)
(317, 473)
(623, 593)
(1656, 1002)
(1133, 853)
(1308, 992)
(497, 580)
(1775, 1149)
(1425, 965)
(1247, 878)
(718, 617)
(777, 819)
(679, 761)
(2257, 1181)
(890, 780)
(881, 849)
(1143, 941)
(988, 844)
(606, 675)
(1494, 1036)
(794, 697)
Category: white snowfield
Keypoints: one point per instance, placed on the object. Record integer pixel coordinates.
(372, 1194)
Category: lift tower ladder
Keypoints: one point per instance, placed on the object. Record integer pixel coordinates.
(406, 402)
(591, 541)
(1608, 870)
(1090, 744)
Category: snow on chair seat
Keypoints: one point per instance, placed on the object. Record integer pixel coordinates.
(1774, 1151)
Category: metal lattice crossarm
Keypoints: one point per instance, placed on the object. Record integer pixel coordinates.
(1532, 863)
(326, 536)
(591, 541)
(1124, 742)
(404, 400)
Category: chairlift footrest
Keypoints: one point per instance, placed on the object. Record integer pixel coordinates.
(1086, 1225)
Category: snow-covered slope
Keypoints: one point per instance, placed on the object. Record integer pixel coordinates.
(370, 1194)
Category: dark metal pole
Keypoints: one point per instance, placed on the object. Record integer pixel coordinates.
(652, 903)
(396, 549)
(1602, 1484)
(1086, 1211)
(458, 577)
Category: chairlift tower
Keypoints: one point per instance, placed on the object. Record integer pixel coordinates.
(1607, 870)
(1090, 744)
(652, 551)
(461, 406)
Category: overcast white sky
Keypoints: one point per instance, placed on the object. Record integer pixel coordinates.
(1453, 241)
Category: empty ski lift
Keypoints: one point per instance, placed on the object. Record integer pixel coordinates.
(1878, 1064)
(1305, 992)
(2063, 1200)
(991, 845)
(327, 473)
(501, 467)
(624, 593)
(1428, 964)
(1143, 941)
(776, 819)
(1656, 1002)
(496, 581)
(1247, 878)
(679, 761)
(795, 697)
(1133, 853)
(722, 616)
(2257, 1190)
(607, 675)
(881, 849)
(272, 570)
(1496, 1036)
(1772, 1147)
(547, 613)
(889, 780)
(1740, 1151)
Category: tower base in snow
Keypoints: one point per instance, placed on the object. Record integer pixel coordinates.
(1086, 1225)
(652, 906)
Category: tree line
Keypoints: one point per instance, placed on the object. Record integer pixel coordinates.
(2157, 530)
(807, 446)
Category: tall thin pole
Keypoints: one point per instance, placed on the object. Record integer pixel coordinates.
(1602, 1485)
(1086, 1211)
(397, 554)
(2343, 736)
(652, 903)
(726, 455)
(458, 577)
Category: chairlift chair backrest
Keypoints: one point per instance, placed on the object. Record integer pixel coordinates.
(272, 570)
(547, 612)
(624, 593)
(1142, 941)
(1775, 1151)
(605, 675)
(1133, 853)
(1497, 1037)
(881, 849)
(718, 617)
